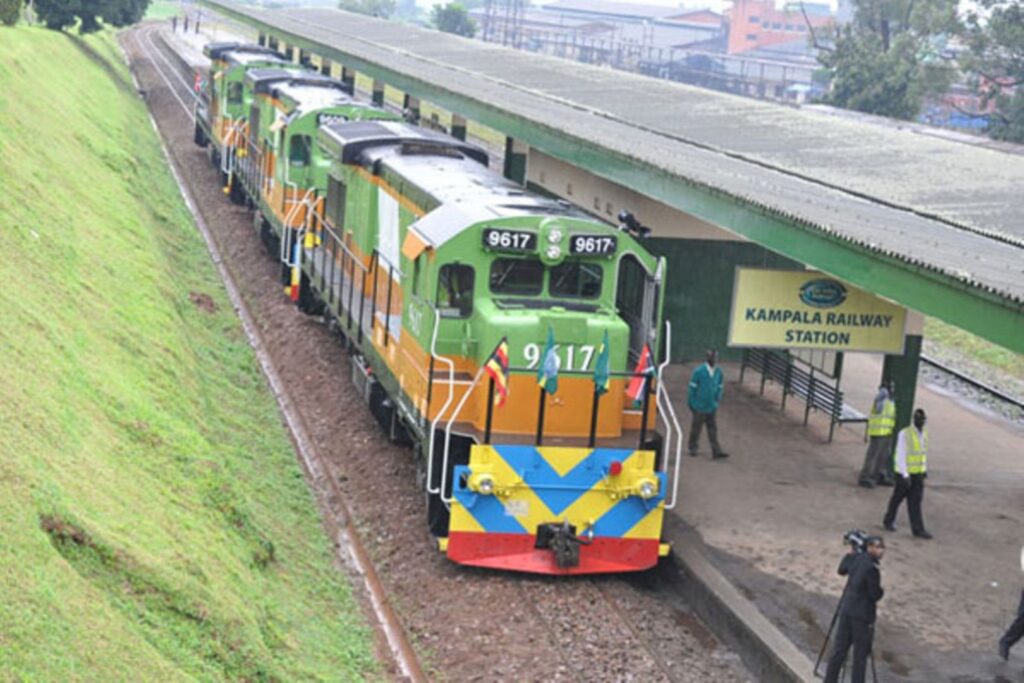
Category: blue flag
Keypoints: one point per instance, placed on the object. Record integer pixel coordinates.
(602, 368)
(547, 373)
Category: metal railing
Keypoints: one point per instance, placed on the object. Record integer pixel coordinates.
(666, 413)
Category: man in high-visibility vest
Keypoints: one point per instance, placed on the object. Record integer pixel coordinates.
(911, 465)
(881, 423)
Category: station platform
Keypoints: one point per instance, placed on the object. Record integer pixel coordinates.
(213, 28)
(771, 519)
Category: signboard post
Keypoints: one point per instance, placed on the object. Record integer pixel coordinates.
(809, 310)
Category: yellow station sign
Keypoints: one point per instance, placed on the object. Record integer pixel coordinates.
(806, 309)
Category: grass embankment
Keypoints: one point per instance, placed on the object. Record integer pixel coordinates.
(998, 358)
(163, 9)
(154, 524)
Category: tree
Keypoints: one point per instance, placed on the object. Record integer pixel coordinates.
(374, 8)
(886, 60)
(996, 59)
(453, 18)
(60, 14)
(10, 10)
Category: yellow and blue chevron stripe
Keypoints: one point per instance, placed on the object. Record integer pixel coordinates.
(598, 490)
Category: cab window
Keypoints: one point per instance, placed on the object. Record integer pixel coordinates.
(455, 290)
(299, 150)
(577, 280)
(235, 92)
(522, 277)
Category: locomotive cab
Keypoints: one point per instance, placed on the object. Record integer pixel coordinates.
(226, 102)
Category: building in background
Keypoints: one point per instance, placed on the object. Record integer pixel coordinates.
(757, 48)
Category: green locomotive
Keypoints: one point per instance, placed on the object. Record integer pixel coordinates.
(455, 287)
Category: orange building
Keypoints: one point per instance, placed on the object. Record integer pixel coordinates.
(757, 24)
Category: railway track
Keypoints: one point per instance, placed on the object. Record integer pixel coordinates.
(583, 629)
(973, 382)
(347, 541)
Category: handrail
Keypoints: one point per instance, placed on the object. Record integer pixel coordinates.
(326, 225)
(444, 408)
(448, 434)
(287, 227)
(227, 159)
(665, 408)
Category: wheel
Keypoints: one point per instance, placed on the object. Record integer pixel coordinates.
(437, 513)
(237, 192)
(199, 136)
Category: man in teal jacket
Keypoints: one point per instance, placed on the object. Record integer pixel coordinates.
(704, 394)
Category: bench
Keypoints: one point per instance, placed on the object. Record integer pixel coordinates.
(819, 392)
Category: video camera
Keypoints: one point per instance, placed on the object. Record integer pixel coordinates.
(856, 539)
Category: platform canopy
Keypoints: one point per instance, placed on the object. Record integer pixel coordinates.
(935, 224)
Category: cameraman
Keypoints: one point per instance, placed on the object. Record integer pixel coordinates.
(857, 609)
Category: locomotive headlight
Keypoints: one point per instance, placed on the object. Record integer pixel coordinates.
(554, 252)
(555, 236)
(483, 483)
(648, 488)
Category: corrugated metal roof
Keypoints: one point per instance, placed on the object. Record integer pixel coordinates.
(940, 205)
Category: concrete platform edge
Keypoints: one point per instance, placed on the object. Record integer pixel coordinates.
(764, 649)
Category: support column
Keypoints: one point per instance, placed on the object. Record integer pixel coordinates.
(348, 77)
(325, 66)
(411, 105)
(458, 128)
(516, 154)
(378, 92)
(903, 370)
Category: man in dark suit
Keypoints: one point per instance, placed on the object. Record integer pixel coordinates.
(857, 611)
(1016, 630)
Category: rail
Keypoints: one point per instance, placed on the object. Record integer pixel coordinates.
(976, 383)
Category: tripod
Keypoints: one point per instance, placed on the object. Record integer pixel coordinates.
(828, 636)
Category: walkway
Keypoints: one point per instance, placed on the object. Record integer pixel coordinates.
(774, 513)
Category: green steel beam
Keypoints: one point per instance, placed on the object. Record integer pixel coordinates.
(932, 293)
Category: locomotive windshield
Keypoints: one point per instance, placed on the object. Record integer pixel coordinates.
(576, 280)
(522, 277)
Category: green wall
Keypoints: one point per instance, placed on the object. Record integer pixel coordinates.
(699, 290)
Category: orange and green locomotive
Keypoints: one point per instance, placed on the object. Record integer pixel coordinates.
(511, 339)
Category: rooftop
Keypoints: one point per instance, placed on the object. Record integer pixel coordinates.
(887, 209)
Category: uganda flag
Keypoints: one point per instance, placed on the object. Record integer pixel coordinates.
(496, 368)
(547, 373)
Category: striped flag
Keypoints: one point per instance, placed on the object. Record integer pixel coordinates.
(638, 384)
(602, 368)
(496, 368)
(547, 373)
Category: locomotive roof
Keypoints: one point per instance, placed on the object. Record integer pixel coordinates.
(448, 170)
(261, 80)
(348, 141)
(309, 94)
(240, 52)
